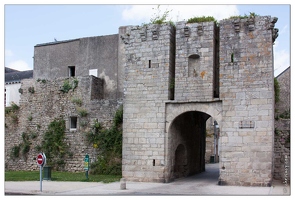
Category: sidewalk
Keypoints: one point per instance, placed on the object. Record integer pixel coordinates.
(204, 184)
(135, 188)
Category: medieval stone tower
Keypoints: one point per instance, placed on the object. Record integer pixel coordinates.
(178, 77)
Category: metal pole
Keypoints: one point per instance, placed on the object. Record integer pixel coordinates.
(40, 178)
(215, 134)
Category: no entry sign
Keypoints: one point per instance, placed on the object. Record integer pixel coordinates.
(41, 159)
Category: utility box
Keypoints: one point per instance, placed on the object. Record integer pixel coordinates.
(47, 173)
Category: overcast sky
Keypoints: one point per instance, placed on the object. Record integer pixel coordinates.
(28, 25)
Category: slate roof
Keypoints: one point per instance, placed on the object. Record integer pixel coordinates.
(14, 76)
(9, 70)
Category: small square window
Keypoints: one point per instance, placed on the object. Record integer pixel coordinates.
(71, 71)
(73, 123)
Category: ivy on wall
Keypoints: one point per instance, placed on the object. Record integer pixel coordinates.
(109, 144)
(54, 145)
(277, 90)
(24, 147)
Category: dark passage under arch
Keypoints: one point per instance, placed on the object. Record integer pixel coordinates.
(188, 142)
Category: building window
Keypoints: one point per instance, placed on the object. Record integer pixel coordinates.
(71, 71)
(73, 123)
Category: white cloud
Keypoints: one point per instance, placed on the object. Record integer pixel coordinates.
(179, 12)
(137, 12)
(19, 65)
(8, 53)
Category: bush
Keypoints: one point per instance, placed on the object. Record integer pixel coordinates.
(201, 19)
(77, 101)
(82, 112)
(68, 85)
(158, 18)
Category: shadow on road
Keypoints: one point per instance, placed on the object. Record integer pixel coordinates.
(209, 176)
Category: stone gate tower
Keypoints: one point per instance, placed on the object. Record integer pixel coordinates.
(247, 93)
(177, 77)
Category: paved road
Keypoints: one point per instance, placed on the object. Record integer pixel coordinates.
(204, 184)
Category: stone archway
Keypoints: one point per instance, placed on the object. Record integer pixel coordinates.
(186, 137)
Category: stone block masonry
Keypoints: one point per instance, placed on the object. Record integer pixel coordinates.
(39, 108)
(195, 61)
(148, 72)
(224, 72)
(246, 91)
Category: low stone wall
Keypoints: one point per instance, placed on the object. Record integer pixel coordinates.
(282, 150)
(41, 102)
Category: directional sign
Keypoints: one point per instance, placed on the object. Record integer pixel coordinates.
(40, 159)
(86, 162)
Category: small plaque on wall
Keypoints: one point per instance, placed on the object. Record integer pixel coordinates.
(246, 124)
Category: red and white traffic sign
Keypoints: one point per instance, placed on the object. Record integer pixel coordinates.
(40, 159)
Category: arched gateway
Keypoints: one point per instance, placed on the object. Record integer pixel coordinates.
(175, 78)
(185, 136)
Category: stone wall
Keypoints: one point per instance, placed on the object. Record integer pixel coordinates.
(52, 60)
(195, 61)
(282, 157)
(209, 140)
(284, 80)
(247, 91)
(39, 108)
(147, 74)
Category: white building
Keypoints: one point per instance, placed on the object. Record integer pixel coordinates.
(13, 80)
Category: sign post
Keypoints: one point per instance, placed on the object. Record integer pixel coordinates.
(86, 165)
(41, 161)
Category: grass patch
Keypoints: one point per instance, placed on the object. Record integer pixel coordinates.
(60, 176)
